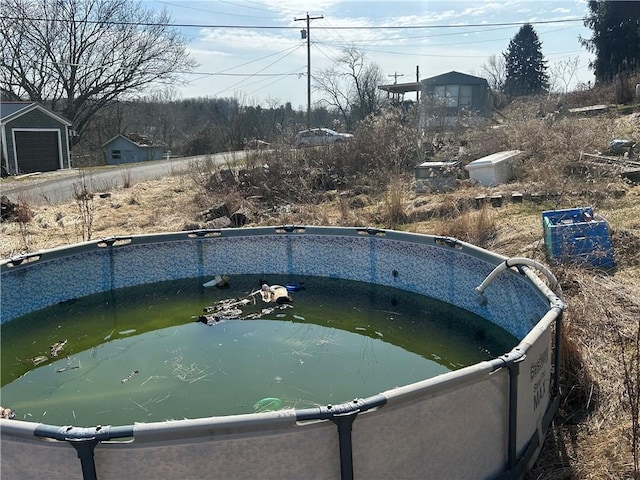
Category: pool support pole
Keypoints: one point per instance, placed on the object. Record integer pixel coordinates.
(84, 440)
(343, 416)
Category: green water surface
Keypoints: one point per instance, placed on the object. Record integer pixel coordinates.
(340, 340)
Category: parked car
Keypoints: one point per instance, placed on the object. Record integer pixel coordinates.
(320, 136)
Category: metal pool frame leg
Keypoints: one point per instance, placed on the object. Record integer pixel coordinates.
(84, 441)
(343, 416)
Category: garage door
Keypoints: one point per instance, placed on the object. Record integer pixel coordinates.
(37, 151)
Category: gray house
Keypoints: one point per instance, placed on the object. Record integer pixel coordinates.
(131, 148)
(32, 138)
(449, 97)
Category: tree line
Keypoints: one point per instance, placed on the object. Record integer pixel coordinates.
(197, 126)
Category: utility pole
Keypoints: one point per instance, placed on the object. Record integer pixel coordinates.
(395, 77)
(306, 33)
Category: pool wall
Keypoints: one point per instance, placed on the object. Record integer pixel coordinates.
(484, 421)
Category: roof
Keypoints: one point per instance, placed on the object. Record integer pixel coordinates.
(11, 110)
(454, 78)
(136, 139)
(401, 87)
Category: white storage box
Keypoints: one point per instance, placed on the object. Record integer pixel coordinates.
(493, 169)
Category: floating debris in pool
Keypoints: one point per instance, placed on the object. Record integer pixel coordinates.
(7, 413)
(231, 309)
(68, 366)
(57, 347)
(220, 281)
(128, 377)
(127, 332)
(39, 359)
(275, 294)
(267, 404)
(294, 286)
(298, 317)
(227, 304)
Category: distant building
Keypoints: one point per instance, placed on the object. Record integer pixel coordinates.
(451, 97)
(131, 148)
(32, 138)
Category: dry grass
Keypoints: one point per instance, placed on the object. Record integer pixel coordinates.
(153, 206)
(591, 437)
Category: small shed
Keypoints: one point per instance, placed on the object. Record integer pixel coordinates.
(33, 138)
(131, 148)
(449, 97)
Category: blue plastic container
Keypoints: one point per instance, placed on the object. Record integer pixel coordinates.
(575, 236)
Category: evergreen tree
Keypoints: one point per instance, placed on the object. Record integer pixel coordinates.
(525, 65)
(616, 38)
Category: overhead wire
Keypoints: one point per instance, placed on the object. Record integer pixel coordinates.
(189, 7)
(376, 42)
(259, 71)
(291, 27)
(276, 81)
(236, 4)
(261, 58)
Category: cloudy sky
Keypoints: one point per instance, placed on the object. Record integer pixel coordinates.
(253, 50)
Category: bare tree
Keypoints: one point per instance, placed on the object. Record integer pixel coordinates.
(331, 83)
(159, 114)
(351, 86)
(77, 56)
(495, 72)
(562, 73)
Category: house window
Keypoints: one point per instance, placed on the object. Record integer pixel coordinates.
(464, 99)
(116, 155)
(453, 95)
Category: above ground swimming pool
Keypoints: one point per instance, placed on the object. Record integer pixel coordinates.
(483, 420)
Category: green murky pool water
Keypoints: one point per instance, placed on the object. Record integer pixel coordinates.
(139, 355)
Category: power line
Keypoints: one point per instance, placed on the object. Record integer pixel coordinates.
(218, 74)
(387, 43)
(259, 71)
(394, 40)
(288, 27)
(214, 11)
(271, 83)
(295, 47)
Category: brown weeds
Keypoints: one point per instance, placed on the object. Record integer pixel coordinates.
(23, 214)
(475, 227)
